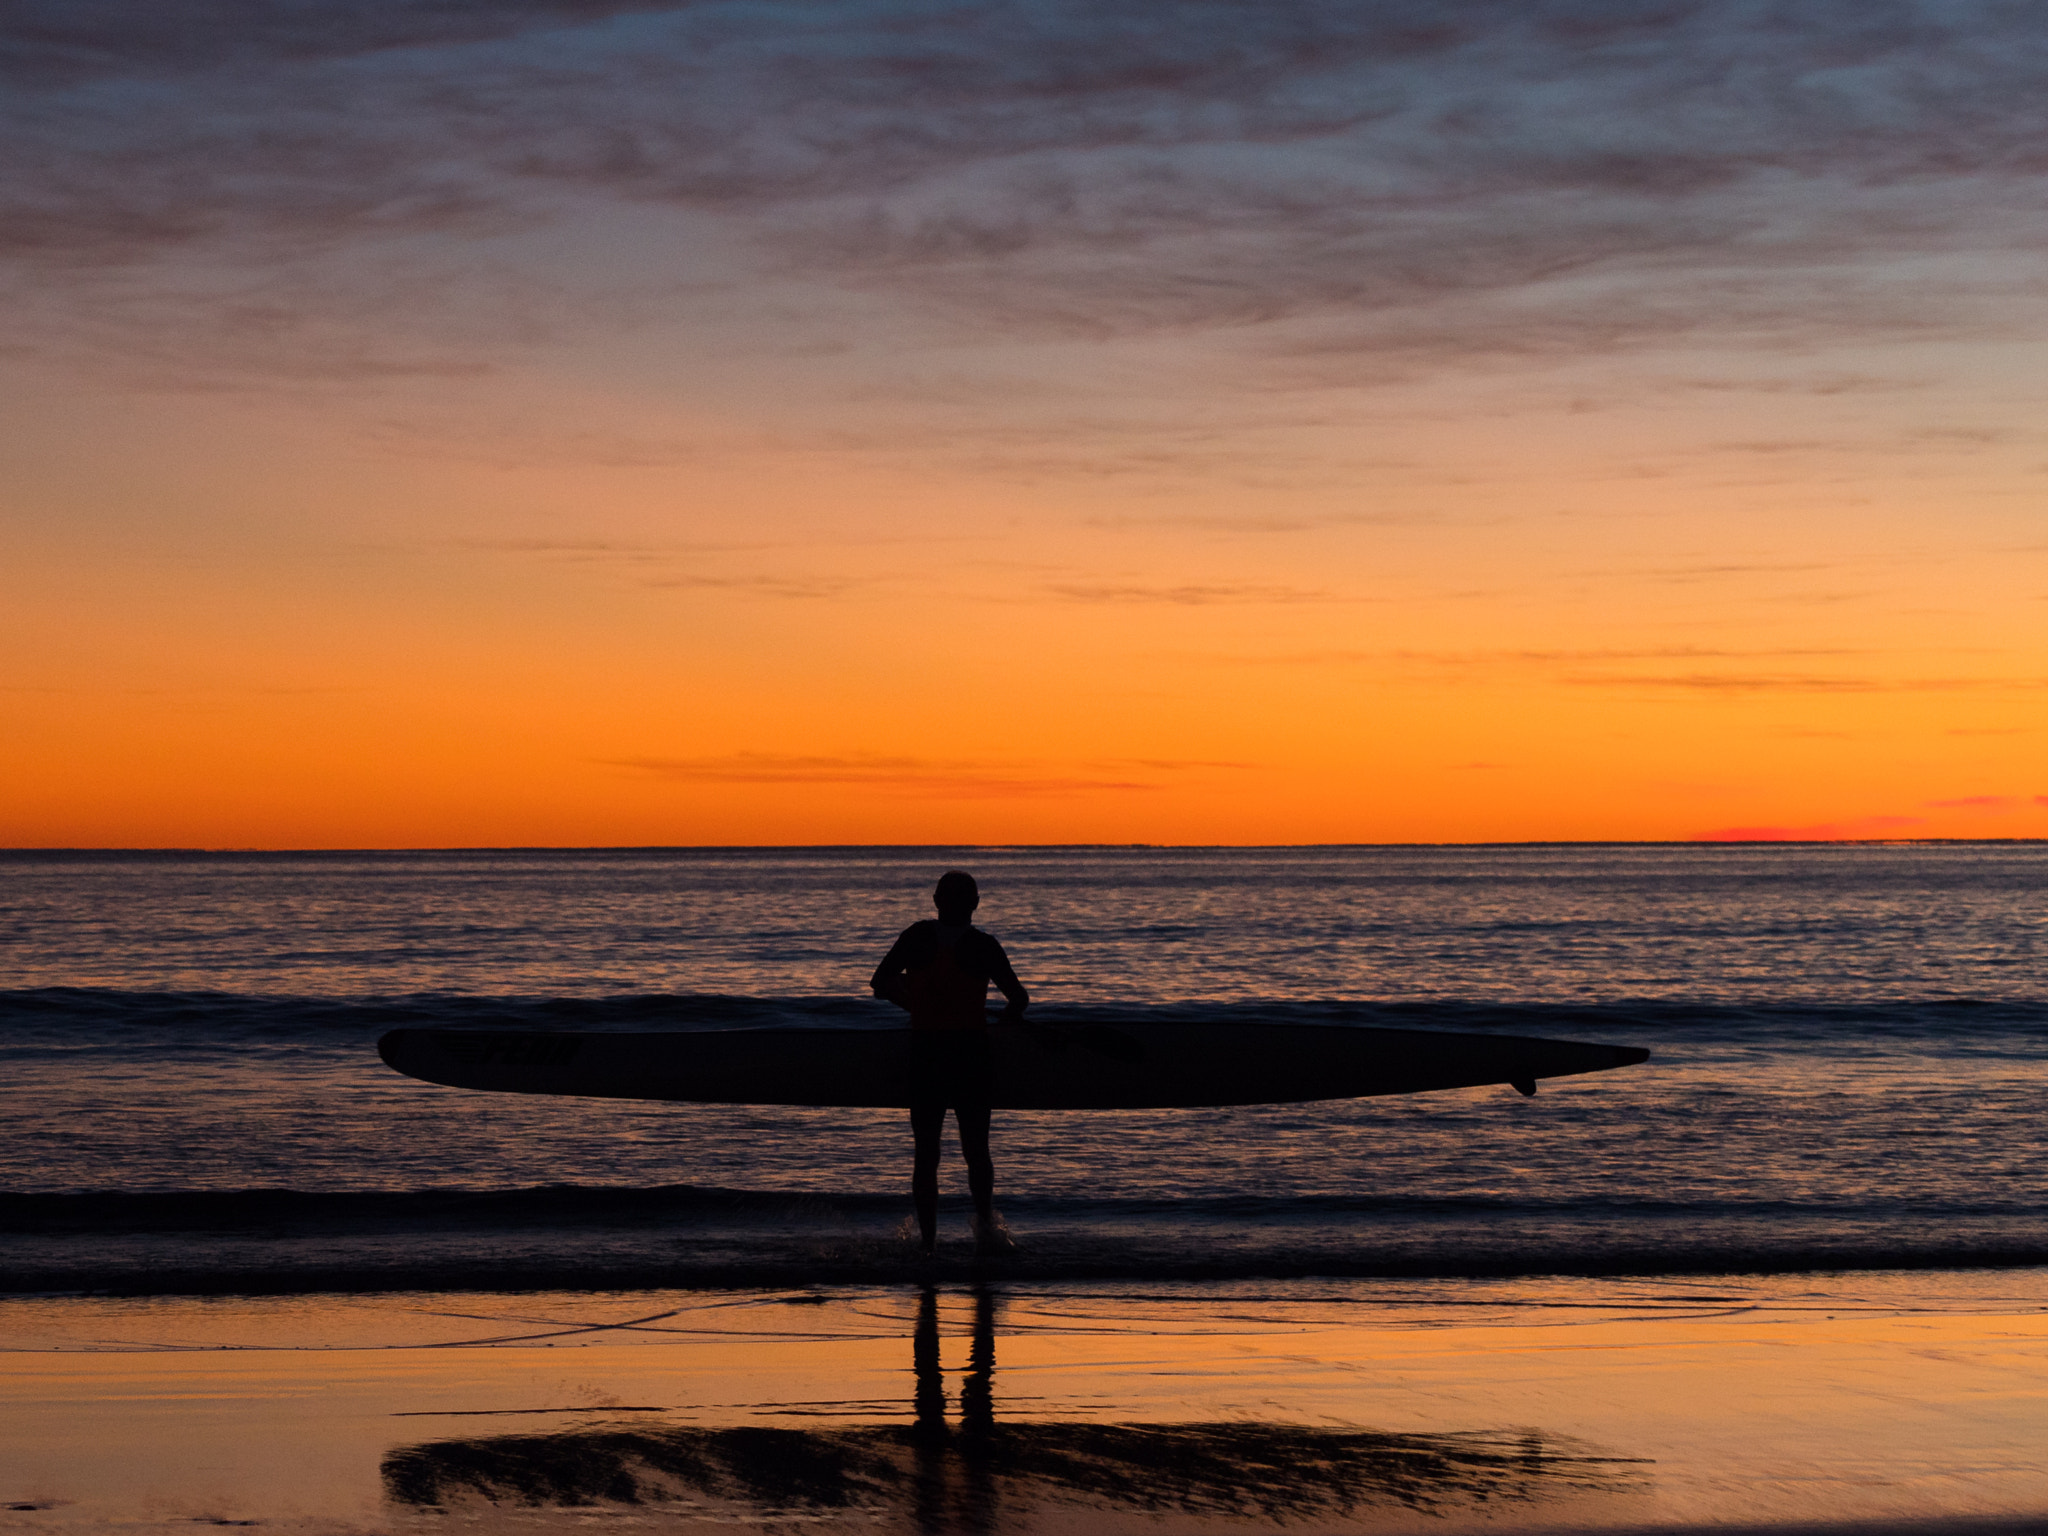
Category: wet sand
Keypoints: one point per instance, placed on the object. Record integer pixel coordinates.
(1854, 1402)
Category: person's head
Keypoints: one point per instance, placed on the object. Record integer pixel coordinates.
(956, 897)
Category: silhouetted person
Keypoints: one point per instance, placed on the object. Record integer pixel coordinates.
(940, 972)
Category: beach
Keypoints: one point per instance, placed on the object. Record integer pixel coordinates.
(1852, 1403)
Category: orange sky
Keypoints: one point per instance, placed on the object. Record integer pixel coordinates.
(1377, 483)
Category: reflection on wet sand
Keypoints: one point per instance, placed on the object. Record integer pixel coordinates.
(939, 1474)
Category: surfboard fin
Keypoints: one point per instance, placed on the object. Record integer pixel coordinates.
(1525, 1086)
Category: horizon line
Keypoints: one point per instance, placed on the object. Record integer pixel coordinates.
(228, 851)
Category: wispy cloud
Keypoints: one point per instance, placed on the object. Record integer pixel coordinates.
(654, 565)
(604, 551)
(950, 779)
(1530, 657)
(1562, 667)
(1366, 189)
(1252, 523)
(803, 588)
(54, 45)
(1707, 570)
(1823, 384)
(198, 692)
(1180, 764)
(1188, 594)
(534, 447)
(1761, 682)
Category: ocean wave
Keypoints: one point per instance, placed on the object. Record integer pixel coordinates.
(597, 1238)
(584, 1207)
(75, 1015)
(451, 1264)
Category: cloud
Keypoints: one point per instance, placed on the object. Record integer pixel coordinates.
(1181, 764)
(197, 691)
(963, 779)
(1975, 803)
(528, 446)
(1188, 595)
(1735, 682)
(652, 566)
(1811, 384)
(1526, 657)
(1227, 523)
(799, 587)
(1706, 571)
(55, 44)
(1651, 653)
(1758, 682)
(602, 551)
(1350, 191)
(1855, 829)
(1558, 663)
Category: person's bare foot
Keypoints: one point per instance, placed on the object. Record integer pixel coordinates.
(927, 1244)
(992, 1237)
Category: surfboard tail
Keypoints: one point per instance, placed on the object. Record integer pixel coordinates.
(1595, 1058)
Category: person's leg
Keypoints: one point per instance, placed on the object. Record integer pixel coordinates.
(926, 1122)
(981, 1168)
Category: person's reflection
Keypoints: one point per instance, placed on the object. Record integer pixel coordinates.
(950, 1476)
(939, 1446)
(978, 1419)
(931, 1379)
(978, 1387)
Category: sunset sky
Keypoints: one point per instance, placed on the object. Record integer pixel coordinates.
(488, 422)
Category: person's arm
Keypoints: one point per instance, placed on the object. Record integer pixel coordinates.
(887, 981)
(1004, 975)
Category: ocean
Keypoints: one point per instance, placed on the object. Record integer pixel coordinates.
(1848, 1041)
